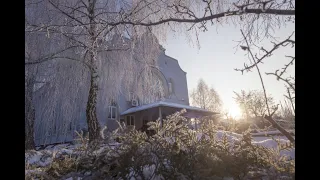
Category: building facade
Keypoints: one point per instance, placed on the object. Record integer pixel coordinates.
(127, 108)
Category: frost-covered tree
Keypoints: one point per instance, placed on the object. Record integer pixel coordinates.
(253, 106)
(84, 52)
(252, 103)
(206, 97)
(37, 47)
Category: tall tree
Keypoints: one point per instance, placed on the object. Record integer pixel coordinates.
(113, 56)
(206, 97)
(252, 103)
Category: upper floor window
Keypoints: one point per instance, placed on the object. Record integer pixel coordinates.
(112, 110)
(170, 86)
(131, 96)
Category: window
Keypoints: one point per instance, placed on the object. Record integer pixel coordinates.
(132, 96)
(130, 120)
(170, 87)
(112, 112)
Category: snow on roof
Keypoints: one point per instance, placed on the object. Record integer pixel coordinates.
(167, 104)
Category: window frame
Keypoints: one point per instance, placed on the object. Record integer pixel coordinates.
(112, 111)
(132, 96)
(131, 120)
(171, 87)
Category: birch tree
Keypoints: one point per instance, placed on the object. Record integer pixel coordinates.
(104, 51)
(252, 103)
(206, 97)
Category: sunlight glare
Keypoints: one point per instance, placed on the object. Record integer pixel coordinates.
(234, 111)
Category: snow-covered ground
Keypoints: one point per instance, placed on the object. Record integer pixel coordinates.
(268, 133)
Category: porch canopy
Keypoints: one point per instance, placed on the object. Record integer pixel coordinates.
(192, 112)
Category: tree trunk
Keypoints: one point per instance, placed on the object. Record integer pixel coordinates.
(91, 111)
(29, 116)
(282, 130)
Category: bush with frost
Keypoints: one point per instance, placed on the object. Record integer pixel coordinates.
(175, 152)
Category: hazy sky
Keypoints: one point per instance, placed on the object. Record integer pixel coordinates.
(216, 59)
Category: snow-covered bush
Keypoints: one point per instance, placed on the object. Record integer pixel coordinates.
(176, 152)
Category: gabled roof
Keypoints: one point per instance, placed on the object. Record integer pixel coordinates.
(165, 104)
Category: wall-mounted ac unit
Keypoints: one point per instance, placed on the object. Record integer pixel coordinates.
(134, 102)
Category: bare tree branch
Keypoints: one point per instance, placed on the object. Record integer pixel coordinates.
(256, 65)
(268, 53)
(58, 57)
(283, 131)
(285, 80)
(66, 14)
(269, 116)
(207, 18)
(287, 65)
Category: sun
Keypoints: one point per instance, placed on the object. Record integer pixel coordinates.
(234, 111)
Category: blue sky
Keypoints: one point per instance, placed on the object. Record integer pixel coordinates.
(217, 57)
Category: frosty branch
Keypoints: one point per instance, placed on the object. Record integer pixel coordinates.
(268, 53)
(207, 18)
(270, 114)
(286, 80)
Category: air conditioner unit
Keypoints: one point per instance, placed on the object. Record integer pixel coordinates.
(134, 102)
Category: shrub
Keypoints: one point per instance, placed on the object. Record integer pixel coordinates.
(177, 152)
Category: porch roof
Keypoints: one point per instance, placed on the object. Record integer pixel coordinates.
(166, 104)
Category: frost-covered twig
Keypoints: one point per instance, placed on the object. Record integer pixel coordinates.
(269, 116)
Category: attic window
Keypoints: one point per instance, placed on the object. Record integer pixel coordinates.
(170, 86)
